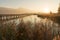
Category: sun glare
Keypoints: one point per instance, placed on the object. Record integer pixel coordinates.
(46, 10)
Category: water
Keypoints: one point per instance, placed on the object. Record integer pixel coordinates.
(49, 24)
(34, 22)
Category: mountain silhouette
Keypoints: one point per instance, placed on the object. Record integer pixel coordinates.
(4, 10)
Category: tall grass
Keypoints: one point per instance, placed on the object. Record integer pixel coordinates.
(25, 31)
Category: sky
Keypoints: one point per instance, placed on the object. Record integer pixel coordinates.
(37, 5)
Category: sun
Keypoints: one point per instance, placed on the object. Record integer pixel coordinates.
(46, 10)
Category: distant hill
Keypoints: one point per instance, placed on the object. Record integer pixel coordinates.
(4, 10)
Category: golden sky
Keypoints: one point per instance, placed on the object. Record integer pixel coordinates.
(37, 5)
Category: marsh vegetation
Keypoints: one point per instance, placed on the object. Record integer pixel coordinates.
(29, 28)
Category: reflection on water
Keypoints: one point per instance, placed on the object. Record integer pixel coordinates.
(46, 22)
(35, 21)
